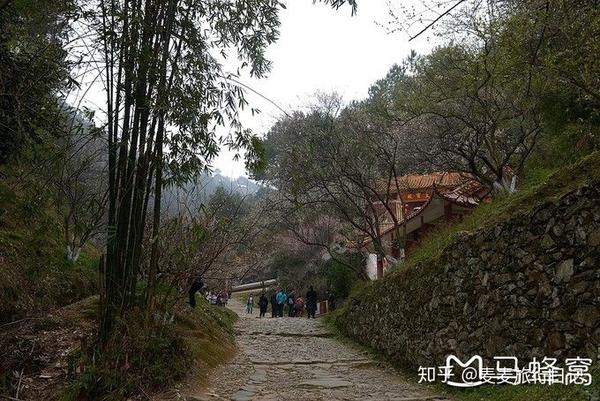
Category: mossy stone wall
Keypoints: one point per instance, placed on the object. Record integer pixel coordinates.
(529, 286)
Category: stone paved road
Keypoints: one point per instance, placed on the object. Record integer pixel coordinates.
(297, 359)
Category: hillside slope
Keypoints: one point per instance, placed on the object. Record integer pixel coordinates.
(45, 358)
(49, 315)
(35, 276)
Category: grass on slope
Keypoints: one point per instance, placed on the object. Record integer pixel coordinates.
(209, 333)
(150, 357)
(35, 276)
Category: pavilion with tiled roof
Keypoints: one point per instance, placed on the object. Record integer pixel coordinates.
(420, 202)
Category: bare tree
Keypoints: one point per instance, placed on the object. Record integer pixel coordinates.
(81, 185)
(463, 110)
(315, 227)
(73, 167)
(221, 239)
(327, 164)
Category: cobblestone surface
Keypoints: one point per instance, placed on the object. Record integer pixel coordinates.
(297, 359)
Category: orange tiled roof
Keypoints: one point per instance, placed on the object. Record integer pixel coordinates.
(459, 188)
(469, 193)
(424, 181)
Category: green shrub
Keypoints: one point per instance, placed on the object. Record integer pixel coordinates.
(154, 355)
(340, 279)
(138, 356)
(35, 275)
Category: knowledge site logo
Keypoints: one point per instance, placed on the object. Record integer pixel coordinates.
(506, 370)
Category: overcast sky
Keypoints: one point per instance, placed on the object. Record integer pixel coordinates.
(325, 50)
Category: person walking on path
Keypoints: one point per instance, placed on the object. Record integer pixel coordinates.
(197, 285)
(281, 299)
(290, 303)
(263, 302)
(250, 304)
(311, 302)
(299, 306)
(274, 304)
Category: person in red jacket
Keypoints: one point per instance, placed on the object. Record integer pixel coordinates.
(299, 307)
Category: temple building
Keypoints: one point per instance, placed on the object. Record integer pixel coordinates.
(413, 205)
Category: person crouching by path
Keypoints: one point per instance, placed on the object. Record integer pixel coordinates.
(281, 299)
(311, 302)
(263, 302)
(196, 286)
(250, 304)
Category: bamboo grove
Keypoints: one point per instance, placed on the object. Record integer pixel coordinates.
(166, 92)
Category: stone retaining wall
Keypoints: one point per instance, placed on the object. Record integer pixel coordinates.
(529, 286)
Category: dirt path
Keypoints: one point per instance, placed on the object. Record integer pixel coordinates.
(297, 359)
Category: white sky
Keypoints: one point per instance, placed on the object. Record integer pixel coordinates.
(319, 50)
(325, 50)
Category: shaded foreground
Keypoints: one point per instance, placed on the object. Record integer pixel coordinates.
(297, 358)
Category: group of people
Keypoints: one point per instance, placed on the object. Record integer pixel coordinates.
(279, 299)
(219, 298)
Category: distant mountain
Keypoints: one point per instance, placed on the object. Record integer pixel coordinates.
(242, 185)
(195, 193)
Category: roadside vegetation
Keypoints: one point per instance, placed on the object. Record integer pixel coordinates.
(35, 275)
(508, 97)
(181, 346)
(110, 114)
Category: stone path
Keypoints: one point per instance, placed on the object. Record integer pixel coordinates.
(297, 359)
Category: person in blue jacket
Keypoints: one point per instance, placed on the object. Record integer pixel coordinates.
(281, 299)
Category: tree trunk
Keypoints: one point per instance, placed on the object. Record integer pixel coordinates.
(73, 253)
(506, 184)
